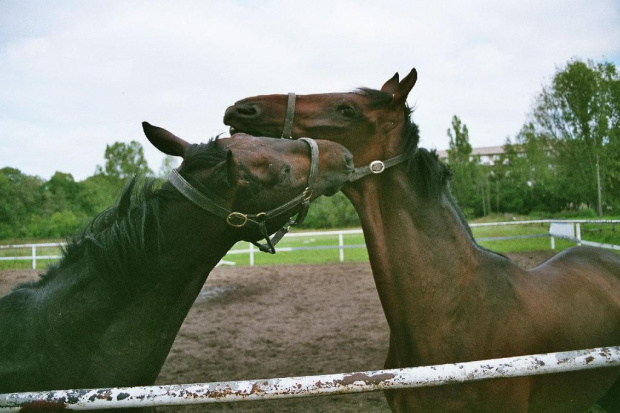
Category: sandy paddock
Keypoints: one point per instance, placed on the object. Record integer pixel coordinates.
(277, 321)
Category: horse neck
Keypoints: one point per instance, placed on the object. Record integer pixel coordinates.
(136, 320)
(421, 252)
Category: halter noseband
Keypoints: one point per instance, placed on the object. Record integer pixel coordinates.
(213, 204)
(374, 168)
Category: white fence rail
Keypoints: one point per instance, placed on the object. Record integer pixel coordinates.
(288, 387)
(564, 229)
(33, 257)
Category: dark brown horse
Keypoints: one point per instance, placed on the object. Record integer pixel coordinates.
(107, 314)
(445, 298)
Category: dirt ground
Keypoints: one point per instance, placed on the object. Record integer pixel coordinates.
(277, 321)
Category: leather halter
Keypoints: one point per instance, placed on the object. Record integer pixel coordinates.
(213, 204)
(287, 131)
(374, 168)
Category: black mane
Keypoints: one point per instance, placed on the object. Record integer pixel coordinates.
(123, 241)
(206, 155)
(429, 176)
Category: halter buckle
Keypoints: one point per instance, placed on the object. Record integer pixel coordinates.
(236, 219)
(307, 194)
(376, 167)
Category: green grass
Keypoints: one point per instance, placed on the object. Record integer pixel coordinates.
(317, 256)
(606, 233)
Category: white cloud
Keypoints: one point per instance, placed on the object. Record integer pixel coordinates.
(79, 75)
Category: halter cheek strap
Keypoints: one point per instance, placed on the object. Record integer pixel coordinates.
(374, 168)
(213, 204)
(287, 131)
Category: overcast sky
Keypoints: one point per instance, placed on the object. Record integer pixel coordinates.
(77, 75)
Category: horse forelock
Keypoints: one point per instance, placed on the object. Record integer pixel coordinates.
(205, 156)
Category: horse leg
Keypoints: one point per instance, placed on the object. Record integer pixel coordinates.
(611, 400)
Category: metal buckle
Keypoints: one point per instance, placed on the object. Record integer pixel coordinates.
(307, 194)
(376, 167)
(236, 219)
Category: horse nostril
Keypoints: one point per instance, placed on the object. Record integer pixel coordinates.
(247, 110)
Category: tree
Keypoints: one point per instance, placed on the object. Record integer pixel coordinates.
(460, 149)
(528, 177)
(124, 160)
(98, 193)
(21, 200)
(61, 192)
(467, 181)
(578, 117)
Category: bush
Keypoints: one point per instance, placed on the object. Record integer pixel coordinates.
(331, 212)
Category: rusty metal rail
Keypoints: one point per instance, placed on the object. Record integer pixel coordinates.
(313, 385)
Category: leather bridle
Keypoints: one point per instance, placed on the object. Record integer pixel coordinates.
(213, 204)
(374, 168)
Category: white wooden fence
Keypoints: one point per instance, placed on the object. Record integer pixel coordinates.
(564, 229)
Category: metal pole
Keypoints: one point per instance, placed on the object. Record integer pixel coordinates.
(34, 257)
(341, 245)
(578, 232)
(288, 387)
(251, 254)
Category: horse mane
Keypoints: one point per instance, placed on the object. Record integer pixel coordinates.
(429, 176)
(123, 241)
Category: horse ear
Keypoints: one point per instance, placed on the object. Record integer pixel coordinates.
(404, 87)
(165, 141)
(390, 85)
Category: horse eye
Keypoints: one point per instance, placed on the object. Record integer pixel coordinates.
(346, 111)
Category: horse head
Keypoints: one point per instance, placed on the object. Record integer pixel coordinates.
(370, 123)
(246, 179)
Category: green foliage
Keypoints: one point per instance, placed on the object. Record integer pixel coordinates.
(123, 160)
(550, 167)
(574, 126)
(99, 192)
(20, 200)
(331, 212)
(32, 207)
(470, 183)
(167, 165)
(577, 119)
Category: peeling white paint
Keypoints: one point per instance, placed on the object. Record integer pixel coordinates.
(288, 387)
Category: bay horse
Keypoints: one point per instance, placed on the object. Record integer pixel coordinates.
(446, 299)
(107, 314)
